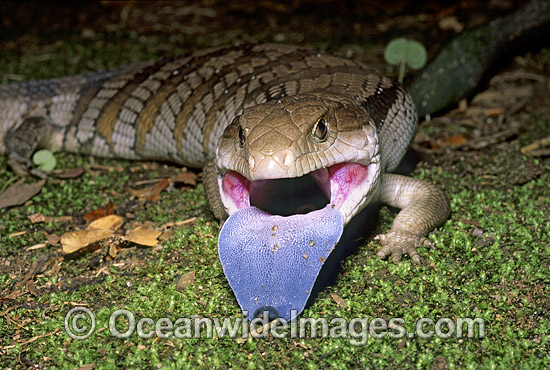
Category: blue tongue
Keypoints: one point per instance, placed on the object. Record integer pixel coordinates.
(272, 262)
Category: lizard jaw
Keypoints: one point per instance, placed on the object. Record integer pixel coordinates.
(272, 261)
(348, 187)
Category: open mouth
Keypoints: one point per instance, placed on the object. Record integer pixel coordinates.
(280, 232)
(291, 196)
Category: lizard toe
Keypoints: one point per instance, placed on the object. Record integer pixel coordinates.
(399, 243)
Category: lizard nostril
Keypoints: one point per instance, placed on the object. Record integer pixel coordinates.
(285, 158)
(288, 159)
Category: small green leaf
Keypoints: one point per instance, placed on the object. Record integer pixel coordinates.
(44, 160)
(416, 55)
(409, 51)
(405, 52)
(396, 51)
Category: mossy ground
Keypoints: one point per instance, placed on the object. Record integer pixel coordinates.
(490, 260)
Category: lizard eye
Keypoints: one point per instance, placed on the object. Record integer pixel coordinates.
(242, 138)
(320, 130)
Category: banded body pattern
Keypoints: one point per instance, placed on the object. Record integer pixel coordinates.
(175, 109)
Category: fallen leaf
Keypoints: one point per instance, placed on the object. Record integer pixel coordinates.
(450, 23)
(111, 222)
(62, 218)
(454, 140)
(15, 294)
(31, 287)
(494, 112)
(109, 209)
(18, 233)
(477, 232)
(36, 246)
(536, 148)
(178, 223)
(69, 174)
(470, 222)
(338, 300)
(53, 239)
(77, 240)
(86, 367)
(147, 237)
(187, 178)
(36, 218)
(56, 267)
(96, 231)
(39, 217)
(166, 235)
(113, 250)
(151, 193)
(19, 193)
(185, 280)
(33, 270)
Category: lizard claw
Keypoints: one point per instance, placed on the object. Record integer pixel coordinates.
(399, 243)
(23, 167)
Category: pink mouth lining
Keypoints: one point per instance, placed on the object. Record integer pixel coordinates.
(337, 183)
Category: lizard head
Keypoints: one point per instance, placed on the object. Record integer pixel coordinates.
(291, 174)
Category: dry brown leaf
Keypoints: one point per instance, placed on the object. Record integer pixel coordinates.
(147, 237)
(96, 231)
(61, 218)
(31, 287)
(18, 233)
(187, 178)
(36, 246)
(19, 193)
(339, 301)
(178, 223)
(15, 294)
(166, 235)
(151, 193)
(185, 280)
(86, 367)
(33, 270)
(109, 209)
(56, 267)
(537, 146)
(76, 240)
(494, 111)
(53, 239)
(113, 250)
(450, 23)
(69, 174)
(454, 140)
(37, 217)
(111, 222)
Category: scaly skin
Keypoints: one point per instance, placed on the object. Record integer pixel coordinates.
(249, 115)
(176, 110)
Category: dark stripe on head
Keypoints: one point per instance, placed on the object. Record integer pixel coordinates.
(379, 102)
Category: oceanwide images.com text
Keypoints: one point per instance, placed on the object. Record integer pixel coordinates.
(80, 324)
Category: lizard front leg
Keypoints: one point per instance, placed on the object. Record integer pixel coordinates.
(22, 141)
(423, 207)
